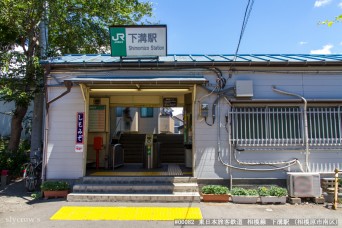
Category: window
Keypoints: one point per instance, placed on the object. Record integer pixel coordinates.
(146, 112)
(324, 125)
(266, 126)
(284, 126)
(119, 111)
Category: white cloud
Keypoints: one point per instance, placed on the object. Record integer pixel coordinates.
(302, 43)
(325, 50)
(340, 4)
(319, 3)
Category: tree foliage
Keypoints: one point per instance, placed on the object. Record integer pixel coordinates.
(330, 23)
(74, 26)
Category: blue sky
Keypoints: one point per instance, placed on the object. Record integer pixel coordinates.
(274, 27)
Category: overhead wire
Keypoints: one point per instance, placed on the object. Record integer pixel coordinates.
(247, 14)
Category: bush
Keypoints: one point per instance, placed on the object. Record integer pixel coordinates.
(263, 191)
(13, 161)
(239, 192)
(215, 189)
(252, 192)
(278, 191)
(244, 192)
(54, 186)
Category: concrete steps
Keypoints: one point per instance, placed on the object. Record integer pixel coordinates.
(174, 197)
(136, 189)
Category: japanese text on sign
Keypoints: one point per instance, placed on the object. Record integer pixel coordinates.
(80, 127)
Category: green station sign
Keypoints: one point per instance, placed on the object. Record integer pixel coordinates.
(129, 41)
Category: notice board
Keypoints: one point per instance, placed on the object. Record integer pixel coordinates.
(170, 102)
(97, 118)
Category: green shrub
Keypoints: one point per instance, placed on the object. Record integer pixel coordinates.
(215, 189)
(252, 192)
(278, 191)
(36, 195)
(13, 161)
(263, 191)
(239, 192)
(54, 186)
(244, 192)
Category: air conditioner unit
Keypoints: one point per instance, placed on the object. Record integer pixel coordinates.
(304, 184)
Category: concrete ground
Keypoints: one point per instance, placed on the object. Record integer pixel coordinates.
(25, 212)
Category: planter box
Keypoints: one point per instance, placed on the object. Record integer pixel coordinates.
(55, 194)
(245, 199)
(273, 199)
(215, 198)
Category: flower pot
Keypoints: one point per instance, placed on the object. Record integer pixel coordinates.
(55, 194)
(273, 199)
(215, 198)
(245, 199)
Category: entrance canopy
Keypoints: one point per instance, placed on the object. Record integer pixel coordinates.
(137, 80)
(139, 84)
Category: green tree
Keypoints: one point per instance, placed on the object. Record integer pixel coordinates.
(331, 22)
(74, 26)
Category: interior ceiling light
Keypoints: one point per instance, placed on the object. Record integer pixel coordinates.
(139, 90)
(114, 90)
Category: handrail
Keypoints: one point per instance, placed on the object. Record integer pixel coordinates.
(117, 125)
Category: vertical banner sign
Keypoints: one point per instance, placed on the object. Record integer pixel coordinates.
(138, 40)
(79, 132)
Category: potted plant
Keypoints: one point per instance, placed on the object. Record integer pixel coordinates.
(273, 194)
(241, 195)
(215, 193)
(54, 189)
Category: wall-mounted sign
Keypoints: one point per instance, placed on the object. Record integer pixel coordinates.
(97, 118)
(138, 40)
(79, 132)
(170, 102)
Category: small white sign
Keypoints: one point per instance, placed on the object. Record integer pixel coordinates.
(79, 148)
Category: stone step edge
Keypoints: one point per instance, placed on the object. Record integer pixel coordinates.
(139, 184)
(142, 178)
(139, 194)
(91, 197)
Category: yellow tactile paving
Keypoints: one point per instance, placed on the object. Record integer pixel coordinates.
(127, 213)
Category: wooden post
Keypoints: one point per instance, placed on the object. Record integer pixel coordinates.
(336, 190)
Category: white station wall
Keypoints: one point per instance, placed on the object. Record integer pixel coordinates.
(62, 160)
(207, 164)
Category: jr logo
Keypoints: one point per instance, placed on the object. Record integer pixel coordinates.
(119, 38)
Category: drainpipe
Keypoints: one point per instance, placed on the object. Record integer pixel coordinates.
(306, 130)
(68, 85)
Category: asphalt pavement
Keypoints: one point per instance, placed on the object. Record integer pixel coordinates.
(37, 213)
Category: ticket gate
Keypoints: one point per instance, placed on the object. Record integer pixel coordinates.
(151, 153)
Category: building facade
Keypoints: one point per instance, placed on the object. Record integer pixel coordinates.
(257, 117)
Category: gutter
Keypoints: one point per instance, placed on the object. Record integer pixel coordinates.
(68, 85)
(195, 64)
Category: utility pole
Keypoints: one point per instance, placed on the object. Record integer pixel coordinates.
(37, 118)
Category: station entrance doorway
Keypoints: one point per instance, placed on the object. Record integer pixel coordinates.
(141, 133)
